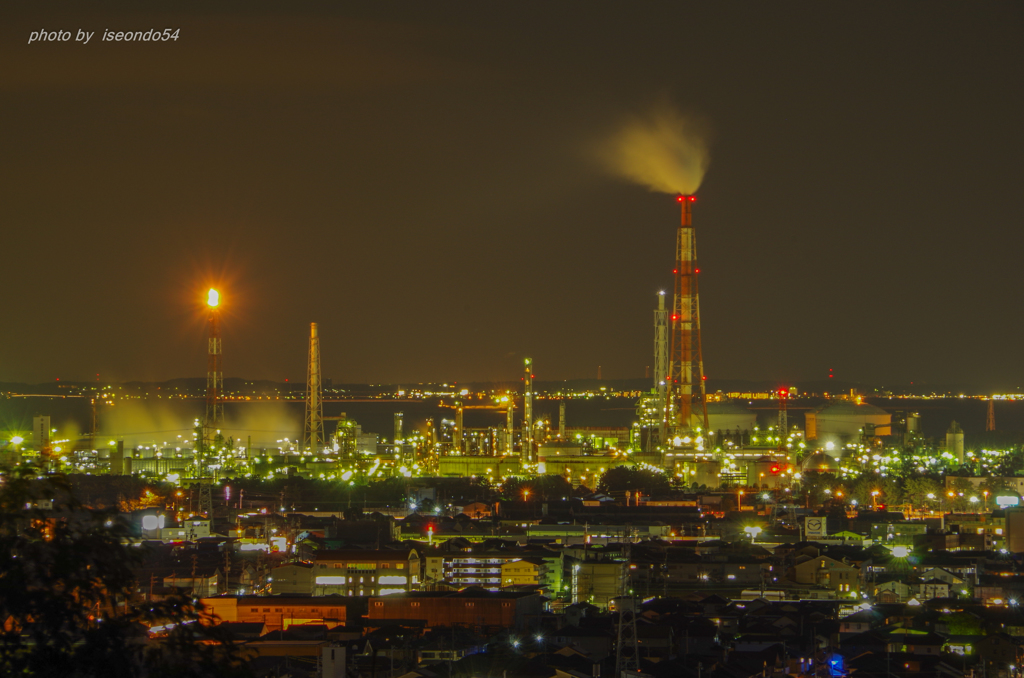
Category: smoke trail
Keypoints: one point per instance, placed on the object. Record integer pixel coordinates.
(146, 422)
(664, 151)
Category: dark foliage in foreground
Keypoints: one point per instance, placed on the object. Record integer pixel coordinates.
(65, 584)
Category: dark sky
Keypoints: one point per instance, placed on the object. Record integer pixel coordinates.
(419, 179)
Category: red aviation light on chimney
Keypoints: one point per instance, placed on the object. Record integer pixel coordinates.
(686, 198)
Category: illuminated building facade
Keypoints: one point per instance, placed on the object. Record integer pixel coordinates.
(366, 573)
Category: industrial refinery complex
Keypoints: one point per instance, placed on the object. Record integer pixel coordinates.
(561, 530)
(757, 439)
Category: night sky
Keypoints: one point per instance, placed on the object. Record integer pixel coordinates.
(420, 179)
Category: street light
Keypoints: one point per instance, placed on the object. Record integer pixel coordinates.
(874, 494)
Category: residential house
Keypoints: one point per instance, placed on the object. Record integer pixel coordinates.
(893, 592)
(916, 642)
(843, 578)
(596, 643)
(932, 588)
(859, 622)
(941, 575)
(200, 582)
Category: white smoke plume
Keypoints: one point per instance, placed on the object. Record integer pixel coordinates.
(663, 150)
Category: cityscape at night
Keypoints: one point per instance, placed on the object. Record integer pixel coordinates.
(372, 341)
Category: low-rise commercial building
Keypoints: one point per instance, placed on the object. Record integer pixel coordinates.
(278, 612)
(485, 611)
(377, 572)
(292, 579)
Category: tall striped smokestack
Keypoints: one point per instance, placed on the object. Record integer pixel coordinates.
(679, 402)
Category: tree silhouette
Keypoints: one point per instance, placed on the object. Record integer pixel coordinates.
(623, 479)
(66, 581)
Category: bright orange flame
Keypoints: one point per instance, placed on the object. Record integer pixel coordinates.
(213, 298)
